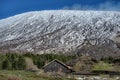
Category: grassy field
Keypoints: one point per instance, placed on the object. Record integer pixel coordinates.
(26, 75)
(103, 66)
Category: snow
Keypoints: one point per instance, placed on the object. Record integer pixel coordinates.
(68, 28)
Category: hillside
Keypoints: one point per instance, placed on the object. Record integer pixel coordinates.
(59, 31)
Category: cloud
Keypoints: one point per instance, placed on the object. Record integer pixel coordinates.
(112, 6)
(77, 7)
(107, 6)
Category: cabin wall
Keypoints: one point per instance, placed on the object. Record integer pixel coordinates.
(56, 67)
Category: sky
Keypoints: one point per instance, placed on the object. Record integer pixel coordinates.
(13, 7)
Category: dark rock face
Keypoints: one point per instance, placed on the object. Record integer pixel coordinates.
(99, 51)
(59, 31)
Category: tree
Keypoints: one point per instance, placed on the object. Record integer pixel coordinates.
(84, 64)
(6, 65)
(21, 63)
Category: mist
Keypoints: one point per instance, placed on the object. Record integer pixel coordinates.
(106, 6)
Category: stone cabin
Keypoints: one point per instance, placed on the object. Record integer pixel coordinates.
(57, 66)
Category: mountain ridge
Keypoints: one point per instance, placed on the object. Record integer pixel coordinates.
(58, 31)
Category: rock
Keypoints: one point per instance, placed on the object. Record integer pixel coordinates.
(105, 79)
(97, 78)
(79, 78)
(117, 78)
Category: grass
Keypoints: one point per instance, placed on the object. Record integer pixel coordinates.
(25, 75)
(103, 66)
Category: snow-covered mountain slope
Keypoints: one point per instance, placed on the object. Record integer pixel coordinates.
(57, 31)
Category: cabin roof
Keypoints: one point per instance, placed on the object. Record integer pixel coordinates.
(56, 60)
